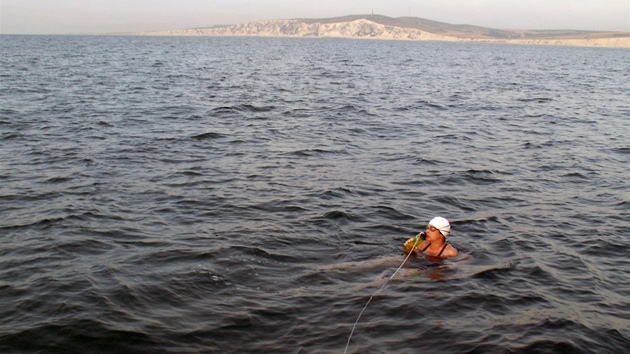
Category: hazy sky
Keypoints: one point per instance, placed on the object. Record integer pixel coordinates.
(107, 16)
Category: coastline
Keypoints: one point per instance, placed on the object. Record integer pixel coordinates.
(366, 29)
(621, 42)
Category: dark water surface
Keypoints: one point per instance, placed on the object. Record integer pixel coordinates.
(230, 195)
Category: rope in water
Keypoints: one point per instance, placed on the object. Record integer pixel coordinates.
(377, 291)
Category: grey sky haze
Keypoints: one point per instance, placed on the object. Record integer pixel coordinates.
(109, 16)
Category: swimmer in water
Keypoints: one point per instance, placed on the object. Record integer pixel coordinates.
(434, 242)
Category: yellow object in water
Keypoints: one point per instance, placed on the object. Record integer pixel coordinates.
(413, 242)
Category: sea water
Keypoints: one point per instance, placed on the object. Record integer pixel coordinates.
(230, 195)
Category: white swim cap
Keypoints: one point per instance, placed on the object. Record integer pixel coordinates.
(441, 224)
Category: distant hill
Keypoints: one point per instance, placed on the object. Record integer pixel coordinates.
(468, 31)
(434, 27)
(403, 28)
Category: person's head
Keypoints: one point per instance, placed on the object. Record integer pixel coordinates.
(438, 225)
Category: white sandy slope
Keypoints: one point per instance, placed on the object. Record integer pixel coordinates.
(365, 29)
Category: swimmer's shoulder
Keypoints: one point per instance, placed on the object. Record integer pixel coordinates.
(450, 251)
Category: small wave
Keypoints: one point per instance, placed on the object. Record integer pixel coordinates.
(481, 177)
(448, 200)
(7, 112)
(357, 130)
(208, 136)
(339, 214)
(191, 173)
(354, 109)
(605, 248)
(336, 193)
(575, 175)
(427, 161)
(392, 214)
(297, 113)
(480, 180)
(84, 247)
(623, 150)
(44, 223)
(279, 206)
(541, 145)
(59, 179)
(137, 89)
(312, 152)
(535, 99)
(10, 136)
(421, 104)
(277, 257)
(243, 108)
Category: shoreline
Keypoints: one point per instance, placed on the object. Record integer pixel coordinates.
(618, 42)
(363, 28)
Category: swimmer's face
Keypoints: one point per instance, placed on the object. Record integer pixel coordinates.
(432, 228)
(432, 231)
